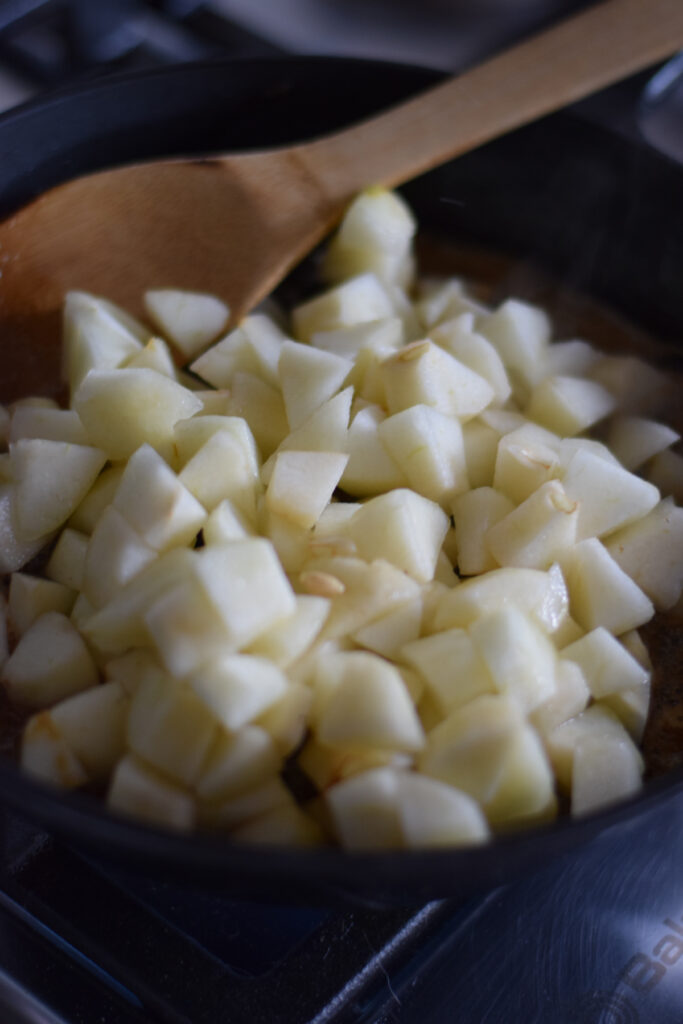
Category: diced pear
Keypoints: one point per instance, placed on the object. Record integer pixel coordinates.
(520, 658)
(47, 424)
(137, 790)
(634, 439)
(537, 532)
(542, 595)
(435, 814)
(155, 503)
(238, 687)
(123, 409)
(569, 446)
(94, 338)
(650, 551)
(101, 494)
(569, 405)
(375, 335)
(226, 523)
(286, 719)
(631, 708)
(93, 723)
(504, 421)
(247, 586)
(170, 727)
(357, 300)
(14, 552)
(366, 704)
(190, 319)
(608, 496)
(31, 596)
(475, 351)
(263, 408)
(290, 540)
(523, 464)
(475, 512)
(253, 347)
(333, 521)
(115, 554)
(665, 471)
(288, 826)
(606, 665)
(520, 333)
(302, 483)
(481, 448)
(525, 787)
(370, 469)
(388, 634)
(192, 434)
(325, 429)
(50, 479)
(120, 624)
(601, 593)
(287, 639)
(308, 378)
(66, 564)
(156, 355)
(360, 592)
(451, 666)
(364, 810)
(423, 373)
(402, 527)
(570, 358)
(326, 766)
(439, 299)
(80, 613)
(429, 449)
(46, 755)
(50, 662)
(222, 469)
(236, 763)
(245, 807)
(571, 697)
(375, 235)
(606, 770)
(132, 668)
(597, 721)
(468, 749)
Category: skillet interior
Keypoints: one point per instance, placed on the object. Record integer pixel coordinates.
(597, 212)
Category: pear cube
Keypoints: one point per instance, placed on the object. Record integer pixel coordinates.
(93, 724)
(402, 527)
(302, 483)
(190, 319)
(308, 378)
(50, 662)
(429, 449)
(137, 790)
(475, 512)
(650, 551)
(238, 687)
(31, 596)
(155, 503)
(601, 593)
(123, 409)
(50, 479)
(520, 658)
(423, 373)
(537, 532)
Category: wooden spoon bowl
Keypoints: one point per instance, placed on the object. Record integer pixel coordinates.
(235, 225)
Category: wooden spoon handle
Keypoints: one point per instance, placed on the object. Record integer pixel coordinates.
(567, 62)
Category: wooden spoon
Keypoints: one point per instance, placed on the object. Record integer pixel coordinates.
(234, 225)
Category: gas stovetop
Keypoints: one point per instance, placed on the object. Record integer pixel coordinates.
(593, 938)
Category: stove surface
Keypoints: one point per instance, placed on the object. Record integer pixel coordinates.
(593, 938)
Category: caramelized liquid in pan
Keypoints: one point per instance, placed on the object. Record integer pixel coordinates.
(573, 315)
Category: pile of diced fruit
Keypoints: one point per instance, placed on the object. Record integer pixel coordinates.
(369, 546)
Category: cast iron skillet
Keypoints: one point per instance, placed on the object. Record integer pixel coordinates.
(602, 214)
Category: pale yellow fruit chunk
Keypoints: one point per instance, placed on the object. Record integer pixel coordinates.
(50, 662)
(50, 479)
